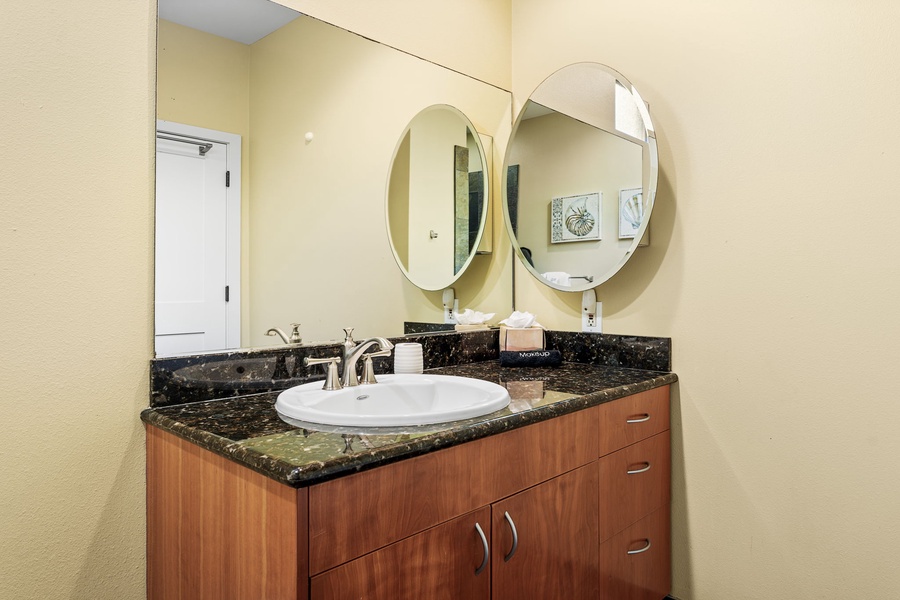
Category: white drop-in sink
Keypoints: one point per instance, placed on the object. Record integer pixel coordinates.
(396, 400)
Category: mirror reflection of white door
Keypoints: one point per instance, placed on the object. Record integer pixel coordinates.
(197, 240)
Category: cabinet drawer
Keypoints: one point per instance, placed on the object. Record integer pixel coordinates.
(441, 562)
(634, 481)
(354, 515)
(636, 563)
(633, 418)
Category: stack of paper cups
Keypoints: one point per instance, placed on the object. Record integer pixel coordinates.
(407, 358)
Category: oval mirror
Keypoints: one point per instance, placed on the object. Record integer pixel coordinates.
(437, 197)
(580, 177)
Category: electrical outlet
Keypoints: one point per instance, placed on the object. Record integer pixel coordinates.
(450, 312)
(591, 322)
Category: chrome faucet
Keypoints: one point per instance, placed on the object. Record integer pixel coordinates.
(295, 334)
(352, 353)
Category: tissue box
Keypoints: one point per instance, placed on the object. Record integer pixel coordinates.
(480, 327)
(519, 340)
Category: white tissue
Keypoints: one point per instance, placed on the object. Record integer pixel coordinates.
(473, 317)
(521, 320)
(557, 277)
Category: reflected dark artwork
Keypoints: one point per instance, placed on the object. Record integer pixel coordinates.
(512, 196)
(476, 205)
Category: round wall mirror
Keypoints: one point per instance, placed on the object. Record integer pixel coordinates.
(437, 197)
(579, 177)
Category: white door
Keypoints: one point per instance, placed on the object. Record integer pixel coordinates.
(195, 295)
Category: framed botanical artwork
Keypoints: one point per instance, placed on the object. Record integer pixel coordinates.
(575, 218)
(631, 212)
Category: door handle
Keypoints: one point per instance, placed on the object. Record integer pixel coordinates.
(484, 545)
(515, 534)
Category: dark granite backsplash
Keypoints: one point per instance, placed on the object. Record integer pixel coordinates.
(629, 351)
(196, 378)
(413, 327)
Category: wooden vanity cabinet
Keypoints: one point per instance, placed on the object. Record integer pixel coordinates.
(418, 528)
(543, 475)
(635, 493)
(552, 555)
(217, 530)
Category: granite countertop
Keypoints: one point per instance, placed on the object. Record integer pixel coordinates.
(247, 429)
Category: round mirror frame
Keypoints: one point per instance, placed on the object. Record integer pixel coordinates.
(649, 177)
(484, 208)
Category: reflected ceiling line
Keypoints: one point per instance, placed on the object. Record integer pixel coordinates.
(230, 19)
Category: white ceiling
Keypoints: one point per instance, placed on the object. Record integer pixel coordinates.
(244, 21)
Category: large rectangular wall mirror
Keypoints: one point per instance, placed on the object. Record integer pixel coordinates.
(303, 117)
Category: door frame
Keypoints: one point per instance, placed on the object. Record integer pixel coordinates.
(232, 217)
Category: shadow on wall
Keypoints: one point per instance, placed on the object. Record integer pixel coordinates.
(118, 543)
(681, 555)
(629, 283)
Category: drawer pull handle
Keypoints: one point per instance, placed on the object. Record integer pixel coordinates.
(644, 549)
(638, 419)
(484, 545)
(512, 527)
(641, 470)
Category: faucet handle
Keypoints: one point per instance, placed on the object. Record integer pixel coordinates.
(295, 333)
(369, 369)
(348, 335)
(332, 380)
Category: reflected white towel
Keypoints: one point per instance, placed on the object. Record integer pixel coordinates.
(557, 277)
(473, 317)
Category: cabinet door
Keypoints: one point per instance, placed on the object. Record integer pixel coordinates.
(439, 563)
(636, 563)
(554, 552)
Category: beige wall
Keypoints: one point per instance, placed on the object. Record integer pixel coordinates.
(776, 121)
(204, 80)
(432, 189)
(318, 219)
(469, 36)
(398, 202)
(76, 258)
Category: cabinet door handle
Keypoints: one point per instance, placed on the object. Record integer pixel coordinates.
(515, 546)
(638, 419)
(484, 545)
(641, 470)
(644, 549)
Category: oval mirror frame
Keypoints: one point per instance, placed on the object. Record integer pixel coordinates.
(574, 92)
(445, 243)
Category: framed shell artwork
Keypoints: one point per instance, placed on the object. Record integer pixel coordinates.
(575, 218)
(631, 212)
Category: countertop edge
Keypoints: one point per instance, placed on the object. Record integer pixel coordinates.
(317, 472)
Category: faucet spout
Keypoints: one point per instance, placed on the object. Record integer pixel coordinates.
(279, 333)
(352, 354)
(293, 339)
